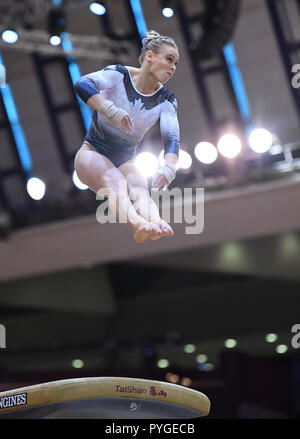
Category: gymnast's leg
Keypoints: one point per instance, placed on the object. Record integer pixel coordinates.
(98, 172)
(142, 201)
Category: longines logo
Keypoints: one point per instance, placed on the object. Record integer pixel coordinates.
(13, 400)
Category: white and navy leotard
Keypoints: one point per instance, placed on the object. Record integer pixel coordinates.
(115, 84)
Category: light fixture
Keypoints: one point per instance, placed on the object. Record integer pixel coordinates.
(163, 363)
(189, 348)
(281, 349)
(55, 40)
(10, 36)
(229, 145)
(206, 152)
(36, 188)
(77, 363)
(271, 338)
(201, 358)
(147, 163)
(97, 8)
(230, 343)
(184, 160)
(260, 140)
(166, 8)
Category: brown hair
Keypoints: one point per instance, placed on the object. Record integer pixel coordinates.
(154, 41)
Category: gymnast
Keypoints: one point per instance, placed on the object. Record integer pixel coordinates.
(126, 102)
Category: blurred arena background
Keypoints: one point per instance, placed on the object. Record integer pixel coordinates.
(213, 311)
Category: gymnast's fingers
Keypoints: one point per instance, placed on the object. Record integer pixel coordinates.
(127, 124)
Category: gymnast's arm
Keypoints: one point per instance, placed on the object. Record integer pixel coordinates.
(88, 88)
(169, 127)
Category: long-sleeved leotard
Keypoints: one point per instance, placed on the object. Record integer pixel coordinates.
(115, 84)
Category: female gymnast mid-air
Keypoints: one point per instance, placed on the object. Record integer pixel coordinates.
(126, 102)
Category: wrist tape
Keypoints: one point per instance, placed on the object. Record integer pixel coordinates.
(168, 171)
(113, 113)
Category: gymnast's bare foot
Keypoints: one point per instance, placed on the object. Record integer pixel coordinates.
(142, 232)
(165, 228)
(156, 232)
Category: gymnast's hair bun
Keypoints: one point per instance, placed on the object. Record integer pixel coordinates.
(151, 35)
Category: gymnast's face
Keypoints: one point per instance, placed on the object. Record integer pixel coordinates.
(163, 64)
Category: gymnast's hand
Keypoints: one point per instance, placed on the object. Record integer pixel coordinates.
(159, 182)
(117, 116)
(164, 176)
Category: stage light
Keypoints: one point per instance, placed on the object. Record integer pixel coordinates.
(281, 349)
(206, 152)
(56, 23)
(147, 163)
(97, 8)
(260, 140)
(172, 378)
(166, 8)
(77, 364)
(201, 358)
(163, 363)
(186, 381)
(230, 343)
(36, 188)
(270, 338)
(55, 40)
(10, 36)
(77, 182)
(167, 12)
(184, 160)
(209, 367)
(229, 145)
(189, 348)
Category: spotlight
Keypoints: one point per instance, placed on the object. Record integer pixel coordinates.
(230, 343)
(77, 363)
(189, 348)
(184, 160)
(229, 145)
(206, 152)
(163, 363)
(201, 358)
(147, 163)
(260, 140)
(97, 8)
(56, 22)
(271, 338)
(36, 188)
(77, 182)
(186, 381)
(166, 8)
(10, 36)
(167, 12)
(55, 40)
(281, 349)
